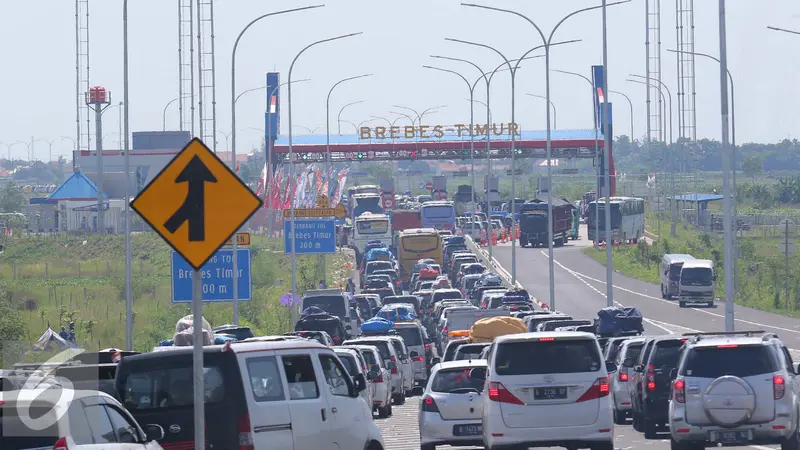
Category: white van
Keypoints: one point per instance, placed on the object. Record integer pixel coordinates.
(391, 359)
(696, 285)
(334, 302)
(548, 389)
(268, 393)
(354, 363)
(414, 339)
(670, 273)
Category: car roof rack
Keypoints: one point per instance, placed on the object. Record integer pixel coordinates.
(748, 333)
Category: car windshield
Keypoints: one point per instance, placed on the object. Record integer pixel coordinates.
(667, 353)
(383, 347)
(470, 351)
(411, 335)
(697, 276)
(444, 295)
(332, 304)
(349, 363)
(456, 381)
(742, 361)
(548, 357)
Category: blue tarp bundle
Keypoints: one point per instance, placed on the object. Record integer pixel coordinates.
(456, 240)
(377, 325)
(397, 313)
(375, 253)
(612, 321)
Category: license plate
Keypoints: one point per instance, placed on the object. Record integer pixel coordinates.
(549, 393)
(467, 430)
(729, 436)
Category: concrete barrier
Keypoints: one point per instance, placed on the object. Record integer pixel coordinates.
(495, 266)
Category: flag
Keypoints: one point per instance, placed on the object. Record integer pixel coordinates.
(262, 181)
(600, 97)
(273, 104)
(342, 180)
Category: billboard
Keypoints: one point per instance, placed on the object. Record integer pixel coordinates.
(273, 115)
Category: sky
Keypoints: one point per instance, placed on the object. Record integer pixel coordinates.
(37, 47)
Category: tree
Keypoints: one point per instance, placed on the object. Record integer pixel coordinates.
(11, 198)
(752, 166)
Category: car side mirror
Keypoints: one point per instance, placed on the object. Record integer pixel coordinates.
(359, 384)
(629, 362)
(638, 368)
(154, 432)
(611, 367)
(414, 354)
(373, 374)
(798, 369)
(436, 361)
(666, 272)
(391, 365)
(673, 374)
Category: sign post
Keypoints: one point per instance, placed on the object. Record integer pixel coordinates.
(196, 203)
(787, 248)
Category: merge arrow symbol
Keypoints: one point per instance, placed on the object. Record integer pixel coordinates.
(196, 174)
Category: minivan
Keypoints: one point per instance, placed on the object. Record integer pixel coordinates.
(547, 389)
(670, 273)
(391, 360)
(255, 392)
(334, 302)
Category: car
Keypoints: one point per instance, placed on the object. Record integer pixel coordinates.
(250, 387)
(547, 389)
(354, 363)
(333, 301)
(320, 336)
(620, 390)
(391, 360)
(650, 403)
(372, 266)
(493, 299)
(239, 332)
(736, 388)
(450, 407)
(533, 321)
(414, 338)
(84, 419)
(470, 351)
(551, 325)
(380, 378)
(450, 350)
(406, 363)
(367, 304)
(412, 299)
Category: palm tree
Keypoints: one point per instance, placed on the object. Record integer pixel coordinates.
(88, 327)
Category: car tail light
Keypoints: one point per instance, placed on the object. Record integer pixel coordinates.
(728, 346)
(778, 387)
(394, 371)
(429, 405)
(418, 358)
(61, 444)
(499, 393)
(427, 347)
(623, 376)
(245, 436)
(651, 377)
(679, 386)
(380, 378)
(599, 389)
(444, 331)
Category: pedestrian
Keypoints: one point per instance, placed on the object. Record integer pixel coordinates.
(321, 284)
(63, 334)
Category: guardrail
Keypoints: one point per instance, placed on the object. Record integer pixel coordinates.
(483, 255)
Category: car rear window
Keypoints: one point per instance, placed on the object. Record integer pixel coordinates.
(469, 351)
(378, 265)
(369, 357)
(742, 361)
(450, 350)
(383, 348)
(155, 388)
(444, 295)
(537, 357)
(455, 381)
(411, 335)
(398, 347)
(15, 435)
(633, 351)
(667, 353)
(332, 304)
(349, 363)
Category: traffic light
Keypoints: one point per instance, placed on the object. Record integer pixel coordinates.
(361, 155)
(465, 152)
(519, 151)
(413, 153)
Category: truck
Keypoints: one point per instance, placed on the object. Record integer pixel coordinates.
(576, 223)
(463, 200)
(697, 282)
(366, 203)
(404, 219)
(534, 222)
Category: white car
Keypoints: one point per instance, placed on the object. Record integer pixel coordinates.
(547, 389)
(414, 338)
(620, 389)
(391, 359)
(81, 420)
(354, 364)
(406, 364)
(451, 407)
(380, 378)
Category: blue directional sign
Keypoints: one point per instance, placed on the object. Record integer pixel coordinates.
(217, 276)
(312, 237)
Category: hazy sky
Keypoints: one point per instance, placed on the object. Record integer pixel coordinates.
(37, 83)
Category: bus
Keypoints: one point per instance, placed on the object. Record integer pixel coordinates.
(627, 219)
(439, 214)
(365, 189)
(366, 203)
(371, 227)
(416, 244)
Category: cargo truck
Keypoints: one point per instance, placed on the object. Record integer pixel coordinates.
(534, 222)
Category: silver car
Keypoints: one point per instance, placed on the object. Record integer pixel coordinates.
(629, 350)
(451, 406)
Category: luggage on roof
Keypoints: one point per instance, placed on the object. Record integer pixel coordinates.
(311, 311)
(377, 325)
(428, 274)
(616, 321)
(397, 312)
(379, 254)
(486, 330)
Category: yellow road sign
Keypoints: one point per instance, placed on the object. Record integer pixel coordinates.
(196, 203)
(241, 239)
(304, 213)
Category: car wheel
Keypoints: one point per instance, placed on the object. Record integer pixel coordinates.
(383, 412)
(792, 442)
(675, 445)
(663, 295)
(620, 418)
(649, 429)
(636, 422)
(682, 304)
(427, 447)
(602, 446)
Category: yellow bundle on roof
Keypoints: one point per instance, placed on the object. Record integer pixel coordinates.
(485, 330)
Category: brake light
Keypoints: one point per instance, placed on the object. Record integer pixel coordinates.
(679, 386)
(728, 346)
(444, 331)
(380, 378)
(427, 347)
(599, 389)
(429, 405)
(245, 436)
(778, 387)
(61, 444)
(623, 376)
(394, 371)
(651, 377)
(418, 358)
(548, 339)
(499, 393)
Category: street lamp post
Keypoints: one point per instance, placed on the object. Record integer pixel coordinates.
(596, 152)
(630, 103)
(547, 42)
(233, 139)
(726, 166)
(555, 119)
(291, 162)
(339, 116)
(483, 103)
(164, 114)
(50, 147)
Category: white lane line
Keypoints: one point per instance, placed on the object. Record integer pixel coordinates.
(581, 275)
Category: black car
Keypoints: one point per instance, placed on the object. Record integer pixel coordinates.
(650, 399)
